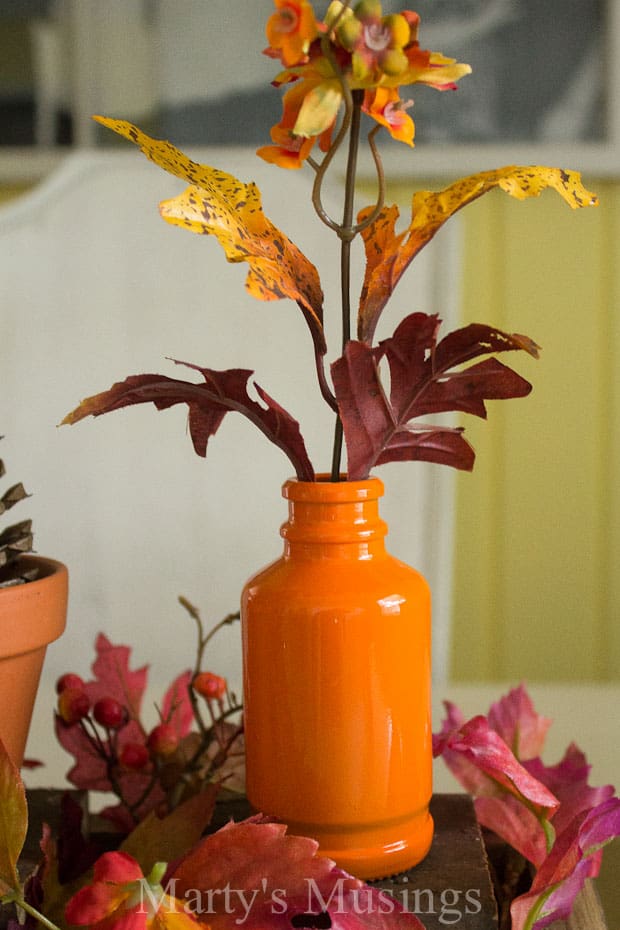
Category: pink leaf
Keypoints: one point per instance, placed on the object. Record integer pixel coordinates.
(424, 380)
(208, 404)
(478, 744)
(515, 824)
(89, 771)
(568, 780)
(518, 724)
(464, 769)
(176, 707)
(134, 787)
(113, 677)
(277, 878)
(574, 857)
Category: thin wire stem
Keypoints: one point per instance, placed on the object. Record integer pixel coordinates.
(346, 235)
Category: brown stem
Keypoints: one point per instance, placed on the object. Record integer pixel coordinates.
(325, 389)
(347, 233)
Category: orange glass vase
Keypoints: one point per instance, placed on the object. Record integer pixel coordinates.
(336, 647)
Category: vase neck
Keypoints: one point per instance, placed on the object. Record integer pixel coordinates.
(328, 518)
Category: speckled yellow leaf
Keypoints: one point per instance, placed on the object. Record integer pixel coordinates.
(219, 204)
(389, 253)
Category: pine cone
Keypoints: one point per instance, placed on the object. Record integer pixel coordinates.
(15, 540)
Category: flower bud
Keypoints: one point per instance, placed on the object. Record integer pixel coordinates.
(394, 62)
(399, 27)
(348, 32)
(368, 9)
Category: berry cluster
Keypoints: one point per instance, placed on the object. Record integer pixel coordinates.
(197, 738)
(109, 715)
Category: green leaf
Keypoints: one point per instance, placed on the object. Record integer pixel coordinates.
(13, 822)
(166, 839)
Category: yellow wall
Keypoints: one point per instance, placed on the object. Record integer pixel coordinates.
(9, 191)
(538, 521)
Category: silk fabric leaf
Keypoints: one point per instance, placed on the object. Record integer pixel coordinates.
(487, 751)
(166, 839)
(279, 882)
(113, 676)
(208, 404)
(423, 381)
(176, 707)
(388, 253)
(218, 204)
(575, 856)
(13, 822)
(514, 717)
(568, 780)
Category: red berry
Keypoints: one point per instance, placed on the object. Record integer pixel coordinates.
(73, 704)
(163, 740)
(110, 713)
(210, 686)
(68, 681)
(133, 756)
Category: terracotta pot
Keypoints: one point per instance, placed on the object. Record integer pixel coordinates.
(31, 616)
(336, 644)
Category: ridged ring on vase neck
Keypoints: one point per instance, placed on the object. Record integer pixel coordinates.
(325, 511)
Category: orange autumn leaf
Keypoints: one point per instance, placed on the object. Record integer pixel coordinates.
(219, 204)
(388, 253)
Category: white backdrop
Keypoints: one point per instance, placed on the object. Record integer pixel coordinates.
(94, 287)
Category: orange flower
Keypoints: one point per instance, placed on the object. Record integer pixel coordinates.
(386, 107)
(290, 31)
(292, 148)
(369, 51)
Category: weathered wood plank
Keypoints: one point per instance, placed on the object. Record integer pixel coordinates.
(452, 886)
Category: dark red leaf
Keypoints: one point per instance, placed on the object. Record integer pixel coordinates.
(76, 854)
(208, 404)
(424, 380)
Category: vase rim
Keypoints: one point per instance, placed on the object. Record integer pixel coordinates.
(323, 489)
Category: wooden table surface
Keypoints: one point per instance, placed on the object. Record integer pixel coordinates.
(451, 887)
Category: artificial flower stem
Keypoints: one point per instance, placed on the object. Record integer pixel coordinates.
(536, 909)
(29, 909)
(346, 233)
